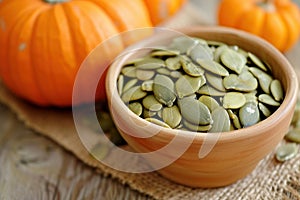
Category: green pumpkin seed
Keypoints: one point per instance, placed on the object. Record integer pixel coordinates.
(164, 90)
(157, 122)
(150, 63)
(163, 52)
(264, 79)
(207, 90)
(136, 107)
(187, 85)
(173, 63)
(244, 82)
(171, 116)
(196, 128)
(144, 74)
(233, 100)
(194, 111)
(147, 86)
(276, 90)
(129, 71)
(249, 114)
(213, 67)
(129, 84)
(251, 97)
(133, 94)
(235, 119)
(163, 71)
(293, 135)
(221, 121)
(149, 113)
(200, 52)
(264, 109)
(233, 60)
(267, 99)
(183, 44)
(210, 102)
(218, 52)
(120, 84)
(215, 81)
(151, 103)
(286, 151)
(190, 68)
(257, 61)
(175, 74)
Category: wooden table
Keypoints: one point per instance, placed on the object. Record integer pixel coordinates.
(34, 167)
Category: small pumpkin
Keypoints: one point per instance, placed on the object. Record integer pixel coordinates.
(277, 21)
(160, 10)
(44, 42)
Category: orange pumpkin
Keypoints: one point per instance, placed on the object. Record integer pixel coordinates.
(277, 21)
(160, 10)
(43, 43)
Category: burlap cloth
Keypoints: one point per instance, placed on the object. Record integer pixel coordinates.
(270, 179)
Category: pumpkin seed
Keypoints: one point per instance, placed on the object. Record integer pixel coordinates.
(163, 89)
(173, 63)
(133, 94)
(257, 61)
(249, 114)
(129, 84)
(163, 52)
(150, 63)
(157, 122)
(210, 102)
(120, 84)
(149, 113)
(207, 90)
(171, 116)
(286, 151)
(251, 97)
(235, 119)
(190, 68)
(144, 74)
(264, 79)
(187, 85)
(244, 82)
(213, 67)
(264, 109)
(151, 103)
(233, 60)
(293, 135)
(136, 107)
(218, 52)
(183, 44)
(200, 52)
(233, 100)
(163, 71)
(276, 90)
(215, 81)
(129, 71)
(194, 111)
(267, 99)
(147, 86)
(221, 121)
(175, 74)
(196, 128)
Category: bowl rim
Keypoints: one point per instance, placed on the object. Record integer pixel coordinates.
(234, 135)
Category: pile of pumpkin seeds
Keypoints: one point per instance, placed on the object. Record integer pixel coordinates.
(200, 85)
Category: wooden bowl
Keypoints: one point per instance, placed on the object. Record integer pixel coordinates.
(225, 157)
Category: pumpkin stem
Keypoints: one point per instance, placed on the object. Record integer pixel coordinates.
(267, 5)
(55, 1)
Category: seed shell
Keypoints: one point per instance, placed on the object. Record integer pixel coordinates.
(187, 85)
(221, 121)
(171, 116)
(276, 90)
(267, 99)
(249, 114)
(233, 100)
(213, 67)
(133, 94)
(164, 90)
(233, 60)
(136, 107)
(151, 103)
(286, 151)
(293, 135)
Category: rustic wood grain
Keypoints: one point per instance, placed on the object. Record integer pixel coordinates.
(34, 167)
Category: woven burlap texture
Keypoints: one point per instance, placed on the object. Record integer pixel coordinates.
(270, 179)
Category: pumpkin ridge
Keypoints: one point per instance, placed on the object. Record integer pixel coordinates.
(22, 73)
